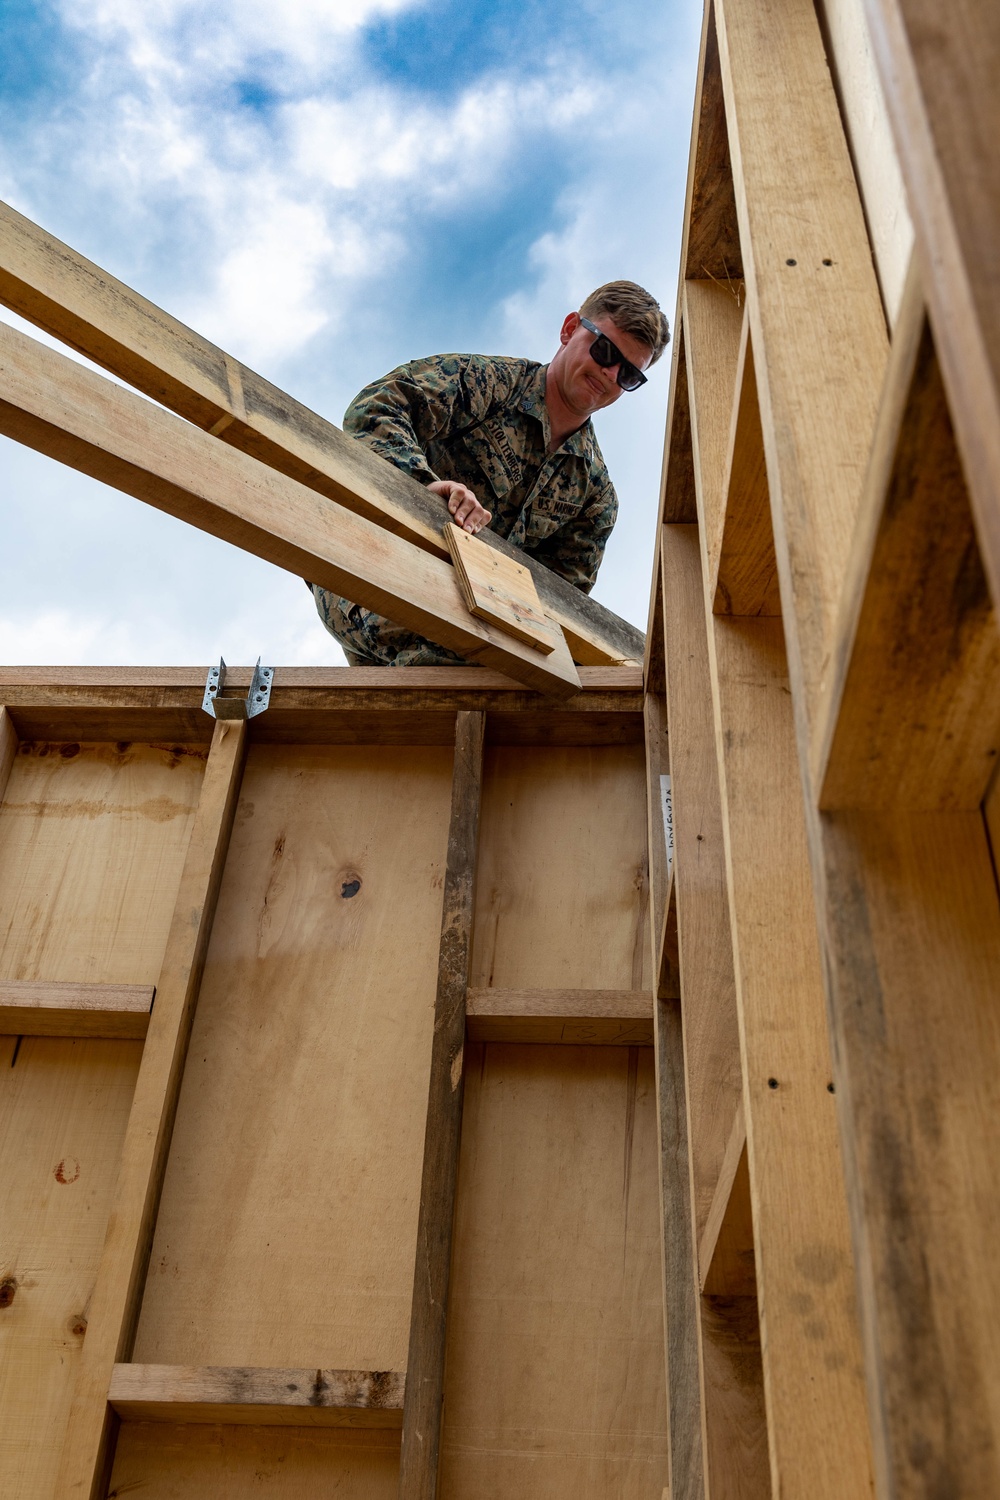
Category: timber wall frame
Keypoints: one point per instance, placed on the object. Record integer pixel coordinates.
(823, 650)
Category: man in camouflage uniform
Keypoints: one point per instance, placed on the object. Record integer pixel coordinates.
(511, 435)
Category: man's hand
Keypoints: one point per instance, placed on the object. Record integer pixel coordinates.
(465, 509)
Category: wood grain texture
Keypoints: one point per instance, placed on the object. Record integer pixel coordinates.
(581, 1017)
(715, 323)
(64, 1105)
(733, 1398)
(555, 1387)
(810, 1333)
(258, 1397)
(36, 1007)
(913, 934)
(712, 238)
(92, 844)
(8, 747)
(745, 580)
(562, 900)
(425, 1365)
(86, 1454)
(816, 320)
(498, 589)
(726, 1254)
(938, 73)
(287, 1225)
(55, 405)
(918, 725)
(67, 295)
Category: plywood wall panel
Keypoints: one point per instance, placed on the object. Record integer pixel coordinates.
(555, 1379)
(92, 840)
(63, 1109)
(287, 1226)
(276, 1463)
(562, 887)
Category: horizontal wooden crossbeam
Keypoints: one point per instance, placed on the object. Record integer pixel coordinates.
(261, 1397)
(38, 1007)
(53, 404)
(582, 1017)
(55, 288)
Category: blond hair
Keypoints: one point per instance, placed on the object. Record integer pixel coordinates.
(631, 308)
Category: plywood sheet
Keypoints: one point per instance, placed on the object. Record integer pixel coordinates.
(230, 1463)
(555, 1380)
(63, 1108)
(287, 1225)
(562, 888)
(498, 589)
(92, 839)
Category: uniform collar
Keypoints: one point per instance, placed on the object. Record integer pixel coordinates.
(580, 442)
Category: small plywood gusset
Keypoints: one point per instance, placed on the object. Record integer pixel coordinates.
(497, 589)
(259, 1397)
(578, 1017)
(53, 404)
(34, 1007)
(62, 292)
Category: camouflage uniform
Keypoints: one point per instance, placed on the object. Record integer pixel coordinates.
(483, 422)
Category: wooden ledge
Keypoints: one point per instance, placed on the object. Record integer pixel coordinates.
(258, 1397)
(622, 1018)
(39, 1007)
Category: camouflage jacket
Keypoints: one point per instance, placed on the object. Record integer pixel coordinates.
(481, 421)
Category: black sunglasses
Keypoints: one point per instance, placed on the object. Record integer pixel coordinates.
(604, 353)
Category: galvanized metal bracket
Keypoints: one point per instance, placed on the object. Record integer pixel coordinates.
(221, 706)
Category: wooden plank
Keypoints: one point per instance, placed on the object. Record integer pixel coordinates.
(37, 1007)
(940, 87)
(810, 1334)
(918, 724)
(725, 1255)
(715, 321)
(424, 1403)
(681, 1310)
(555, 1383)
(55, 405)
(86, 1454)
(746, 573)
(913, 938)
(8, 747)
(616, 1017)
(261, 1397)
(57, 289)
(818, 330)
(498, 589)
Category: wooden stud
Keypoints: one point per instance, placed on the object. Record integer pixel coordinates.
(715, 319)
(57, 289)
(33, 1007)
(8, 747)
(265, 1398)
(939, 82)
(580, 1017)
(55, 405)
(88, 1443)
(423, 1408)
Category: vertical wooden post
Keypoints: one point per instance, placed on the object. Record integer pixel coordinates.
(88, 1446)
(423, 1403)
(8, 748)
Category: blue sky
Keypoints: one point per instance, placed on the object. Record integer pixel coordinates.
(327, 188)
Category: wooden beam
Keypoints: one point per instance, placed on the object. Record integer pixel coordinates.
(715, 319)
(55, 405)
(725, 1255)
(8, 747)
(819, 336)
(939, 80)
(586, 1017)
(424, 1403)
(88, 1443)
(261, 1398)
(58, 290)
(915, 723)
(38, 1007)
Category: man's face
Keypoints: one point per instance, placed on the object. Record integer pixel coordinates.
(583, 385)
